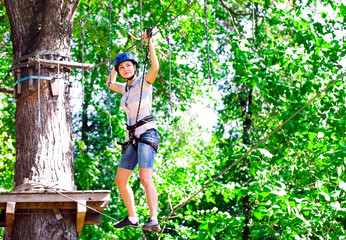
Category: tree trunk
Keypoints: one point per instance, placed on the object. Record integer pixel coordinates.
(44, 145)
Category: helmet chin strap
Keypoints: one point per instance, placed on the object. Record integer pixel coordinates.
(129, 79)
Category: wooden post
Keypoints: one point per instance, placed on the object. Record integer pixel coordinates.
(10, 208)
(19, 85)
(81, 211)
(31, 81)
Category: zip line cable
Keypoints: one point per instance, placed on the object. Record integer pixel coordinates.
(253, 148)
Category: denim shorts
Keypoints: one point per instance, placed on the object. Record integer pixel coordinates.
(145, 155)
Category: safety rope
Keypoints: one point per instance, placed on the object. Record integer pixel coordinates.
(163, 14)
(249, 151)
(149, 34)
(207, 35)
(170, 69)
(83, 20)
(110, 65)
(140, 19)
(253, 24)
(83, 37)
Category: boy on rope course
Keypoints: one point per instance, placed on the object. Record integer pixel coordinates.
(142, 137)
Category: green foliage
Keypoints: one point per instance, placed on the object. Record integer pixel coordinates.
(7, 106)
(295, 180)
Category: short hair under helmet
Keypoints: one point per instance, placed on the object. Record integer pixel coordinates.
(122, 57)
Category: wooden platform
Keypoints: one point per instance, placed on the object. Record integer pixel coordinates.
(10, 202)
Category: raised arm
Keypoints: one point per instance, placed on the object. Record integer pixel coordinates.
(111, 83)
(153, 71)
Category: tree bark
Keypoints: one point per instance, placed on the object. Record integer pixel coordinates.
(44, 145)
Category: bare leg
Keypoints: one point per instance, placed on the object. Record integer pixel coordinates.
(122, 181)
(146, 177)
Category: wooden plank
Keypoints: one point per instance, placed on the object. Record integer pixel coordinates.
(47, 62)
(10, 208)
(22, 197)
(81, 211)
(100, 205)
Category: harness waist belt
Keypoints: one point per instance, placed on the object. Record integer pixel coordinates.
(133, 139)
(139, 123)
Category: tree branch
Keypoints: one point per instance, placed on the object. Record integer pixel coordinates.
(234, 15)
(6, 90)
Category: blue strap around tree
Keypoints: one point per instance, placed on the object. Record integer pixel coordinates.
(32, 77)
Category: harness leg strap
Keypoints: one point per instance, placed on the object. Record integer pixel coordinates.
(149, 143)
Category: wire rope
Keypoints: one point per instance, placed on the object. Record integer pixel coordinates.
(83, 38)
(170, 70)
(149, 34)
(249, 151)
(140, 19)
(82, 21)
(253, 24)
(110, 65)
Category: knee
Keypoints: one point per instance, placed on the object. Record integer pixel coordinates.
(120, 182)
(146, 180)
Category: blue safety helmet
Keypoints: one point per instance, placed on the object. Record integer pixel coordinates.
(122, 57)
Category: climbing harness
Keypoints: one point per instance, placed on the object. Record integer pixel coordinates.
(133, 140)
